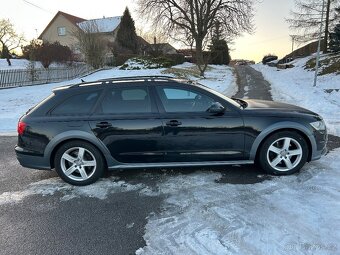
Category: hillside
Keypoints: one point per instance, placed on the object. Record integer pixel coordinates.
(295, 86)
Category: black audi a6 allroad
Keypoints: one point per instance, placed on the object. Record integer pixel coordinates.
(156, 121)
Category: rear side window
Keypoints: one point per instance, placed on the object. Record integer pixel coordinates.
(127, 101)
(77, 104)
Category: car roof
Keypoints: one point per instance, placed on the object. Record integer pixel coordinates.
(124, 80)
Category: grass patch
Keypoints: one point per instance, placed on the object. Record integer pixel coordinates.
(328, 65)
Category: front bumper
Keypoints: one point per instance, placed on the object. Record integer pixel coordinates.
(31, 160)
(320, 146)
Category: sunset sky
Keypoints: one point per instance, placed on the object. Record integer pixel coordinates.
(271, 34)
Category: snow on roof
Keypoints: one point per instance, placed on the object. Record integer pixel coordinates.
(104, 25)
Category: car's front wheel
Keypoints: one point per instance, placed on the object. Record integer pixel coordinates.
(283, 153)
(79, 163)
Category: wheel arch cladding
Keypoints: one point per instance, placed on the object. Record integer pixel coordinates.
(65, 137)
(284, 126)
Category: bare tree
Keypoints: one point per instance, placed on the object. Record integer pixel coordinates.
(194, 19)
(9, 39)
(305, 20)
(91, 43)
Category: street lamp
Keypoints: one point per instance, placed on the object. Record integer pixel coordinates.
(319, 46)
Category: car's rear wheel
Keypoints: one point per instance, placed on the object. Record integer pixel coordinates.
(283, 153)
(79, 163)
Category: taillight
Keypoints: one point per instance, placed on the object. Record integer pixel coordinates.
(21, 127)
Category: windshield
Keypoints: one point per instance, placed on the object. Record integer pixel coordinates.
(231, 101)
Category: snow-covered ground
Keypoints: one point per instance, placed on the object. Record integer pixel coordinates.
(295, 86)
(285, 215)
(296, 214)
(22, 64)
(16, 101)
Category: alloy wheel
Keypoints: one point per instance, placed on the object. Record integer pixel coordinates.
(78, 163)
(284, 154)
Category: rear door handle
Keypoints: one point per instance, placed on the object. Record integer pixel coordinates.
(173, 123)
(103, 124)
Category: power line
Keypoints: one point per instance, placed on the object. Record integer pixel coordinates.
(36, 6)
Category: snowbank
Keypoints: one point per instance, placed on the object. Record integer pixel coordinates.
(22, 64)
(295, 86)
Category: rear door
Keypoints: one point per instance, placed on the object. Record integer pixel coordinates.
(193, 134)
(128, 123)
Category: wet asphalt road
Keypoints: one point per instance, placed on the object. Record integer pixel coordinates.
(85, 225)
(48, 225)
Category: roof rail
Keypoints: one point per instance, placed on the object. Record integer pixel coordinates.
(128, 78)
(144, 77)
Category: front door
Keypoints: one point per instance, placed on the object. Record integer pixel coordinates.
(193, 134)
(128, 123)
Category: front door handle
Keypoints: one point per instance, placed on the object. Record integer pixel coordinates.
(103, 124)
(173, 123)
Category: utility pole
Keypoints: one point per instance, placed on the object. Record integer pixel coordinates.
(319, 46)
(293, 41)
(328, 7)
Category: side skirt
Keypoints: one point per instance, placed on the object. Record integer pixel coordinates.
(182, 164)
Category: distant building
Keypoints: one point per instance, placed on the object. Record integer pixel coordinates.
(162, 48)
(63, 25)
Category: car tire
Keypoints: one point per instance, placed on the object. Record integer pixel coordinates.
(283, 153)
(79, 163)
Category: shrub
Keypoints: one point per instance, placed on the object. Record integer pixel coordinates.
(55, 52)
(29, 50)
(122, 58)
(147, 63)
(176, 58)
(47, 52)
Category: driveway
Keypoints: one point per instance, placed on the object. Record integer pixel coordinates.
(251, 84)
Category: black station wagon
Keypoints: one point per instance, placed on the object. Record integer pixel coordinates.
(157, 121)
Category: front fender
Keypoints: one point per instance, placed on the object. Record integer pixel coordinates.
(279, 126)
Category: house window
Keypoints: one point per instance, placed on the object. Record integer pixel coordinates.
(61, 31)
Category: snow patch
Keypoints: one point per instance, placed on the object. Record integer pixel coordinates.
(49, 187)
(23, 63)
(286, 215)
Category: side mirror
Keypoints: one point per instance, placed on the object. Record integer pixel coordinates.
(216, 108)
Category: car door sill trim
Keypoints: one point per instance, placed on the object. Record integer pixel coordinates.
(183, 164)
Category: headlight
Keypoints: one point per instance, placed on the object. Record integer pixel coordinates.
(318, 125)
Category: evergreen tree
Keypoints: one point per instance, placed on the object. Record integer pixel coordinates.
(126, 35)
(219, 48)
(334, 42)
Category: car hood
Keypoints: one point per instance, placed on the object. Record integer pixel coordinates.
(254, 104)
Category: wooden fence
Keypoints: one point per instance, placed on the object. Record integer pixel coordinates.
(33, 76)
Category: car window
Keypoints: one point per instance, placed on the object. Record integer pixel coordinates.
(126, 100)
(183, 100)
(77, 104)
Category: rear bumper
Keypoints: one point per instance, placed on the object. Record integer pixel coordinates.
(31, 160)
